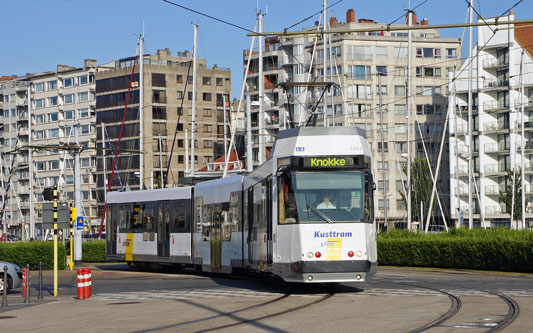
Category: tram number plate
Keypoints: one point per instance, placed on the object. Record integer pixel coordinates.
(334, 249)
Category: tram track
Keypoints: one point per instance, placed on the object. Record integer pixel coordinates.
(241, 320)
(455, 307)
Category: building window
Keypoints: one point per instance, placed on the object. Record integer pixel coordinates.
(39, 135)
(206, 81)
(40, 166)
(401, 147)
(84, 113)
(381, 70)
(68, 82)
(208, 144)
(380, 185)
(159, 96)
(158, 80)
(159, 112)
(159, 129)
(381, 204)
(54, 165)
(381, 52)
(189, 95)
(208, 112)
(400, 129)
(83, 96)
(206, 97)
(68, 131)
(359, 72)
(451, 53)
(85, 162)
(383, 90)
(69, 99)
(179, 78)
(400, 71)
(69, 179)
(359, 91)
(359, 52)
(219, 81)
(400, 109)
(208, 128)
(428, 72)
(85, 129)
(399, 91)
(336, 51)
(385, 144)
(427, 52)
(400, 52)
(400, 204)
(39, 119)
(83, 80)
(298, 69)
(52, 85)
(52, 101)
(38, 87)
(179, 94)
(53, 117)
(53, 133)
(39, 103)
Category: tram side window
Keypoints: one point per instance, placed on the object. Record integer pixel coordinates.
(135, 218)
(124, 213)
(369, 198)
(112, 217)
(226, 222)
(179, 216)
(235, 210)
(148, 212)
(287, 202)
(198, 214)
(208, 212)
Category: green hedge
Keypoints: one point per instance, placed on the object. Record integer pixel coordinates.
(497, 250)
(32, 253)
(93, 251)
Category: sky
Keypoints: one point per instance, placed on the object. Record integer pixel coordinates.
(37, 35)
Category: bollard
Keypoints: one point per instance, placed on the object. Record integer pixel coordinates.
(24, 281)
(28, 282)
(81, 283)
(4, 292)
(88, 283)
(40, 280)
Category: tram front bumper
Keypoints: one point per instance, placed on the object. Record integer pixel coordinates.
(327, 271)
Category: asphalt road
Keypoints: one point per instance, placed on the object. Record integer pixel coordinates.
(396, 300)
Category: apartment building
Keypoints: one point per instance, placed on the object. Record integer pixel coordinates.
(167, 101)
(501, 65)
(356, 61)
(38, 112)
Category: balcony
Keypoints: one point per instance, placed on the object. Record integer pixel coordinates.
(495, 147)
(494, 189)
(496, 84)
(528, 103)
(527, 145)
(494, 210)
(495, 63)
(528, 124)
(495, 126)
(495, 106)
(462, 170)
(495, 168)
(461, 190)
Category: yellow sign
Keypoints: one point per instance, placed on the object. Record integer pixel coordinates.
(334, 249)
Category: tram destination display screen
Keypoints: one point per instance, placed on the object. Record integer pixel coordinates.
(328, 162)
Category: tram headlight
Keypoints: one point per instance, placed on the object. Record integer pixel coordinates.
(309, 254)
(358, 277)
(310, 278)
(359, 253)
(318, 254)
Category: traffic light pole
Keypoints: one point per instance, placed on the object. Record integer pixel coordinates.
(77, 185)
(55, 240)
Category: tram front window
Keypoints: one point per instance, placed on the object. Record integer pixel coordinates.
(330, 196)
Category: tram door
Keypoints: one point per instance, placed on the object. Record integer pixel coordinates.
(216, 238)
(111, 229)
(251, 217)
(163, 232)
(268, 218)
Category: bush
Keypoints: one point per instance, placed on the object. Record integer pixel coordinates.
(32, 253)
(499, 250)
(93, 251)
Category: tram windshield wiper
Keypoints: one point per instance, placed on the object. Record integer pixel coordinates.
(319, 213)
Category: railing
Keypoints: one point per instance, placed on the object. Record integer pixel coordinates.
(492, 210)
(494, 126)
(494, 189)
(494, 105)
(461, 190)
(491, 168)
(495, 83)
(494, 147)
(528, 102)
(462, 170)
(494, 63)
(527, 123)
(527, 145)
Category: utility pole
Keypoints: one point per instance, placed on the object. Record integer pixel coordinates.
(160, 162)
(522, 164)
(193, 119)
(30, 169)
(408, 104)
(261, 79)
(249, 153)
(451, 85)
(187, 165)
(331, 72)
(105, 161)
(90, 201)
(382, 153)
(324, 45)
(77, 181)
(225, 134)
(141, 113)
(470, 141)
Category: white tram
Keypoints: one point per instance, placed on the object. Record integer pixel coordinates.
(305, 215)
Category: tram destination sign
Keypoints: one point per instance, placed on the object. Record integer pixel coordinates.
(333, 162)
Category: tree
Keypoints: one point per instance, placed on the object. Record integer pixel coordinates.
(422, 187)
(513, 177)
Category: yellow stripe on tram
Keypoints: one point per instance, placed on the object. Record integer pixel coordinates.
(129, 247)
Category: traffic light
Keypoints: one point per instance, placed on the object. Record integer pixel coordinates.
(48, 194)
(73, 215)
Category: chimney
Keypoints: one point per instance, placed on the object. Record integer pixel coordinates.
(333, 21)
(407, 18)
(424, 21)
(350, 16)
